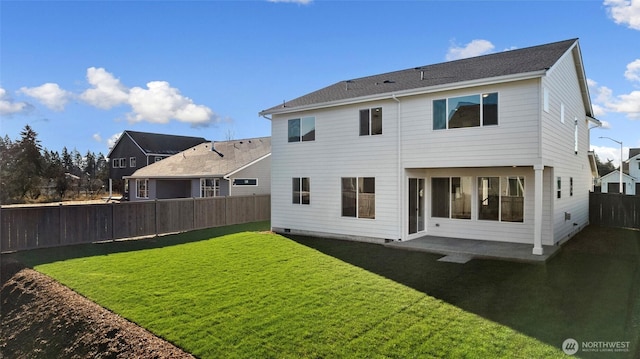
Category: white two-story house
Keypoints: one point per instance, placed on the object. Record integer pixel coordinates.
(491, 148)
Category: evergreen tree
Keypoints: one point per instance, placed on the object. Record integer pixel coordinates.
(26, 174)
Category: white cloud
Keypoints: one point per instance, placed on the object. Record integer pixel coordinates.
(107, 90)
(8, 106)
(301, 2)
(625, 12)
(605, 101)
(49, 94)
(633, 71)
(97, 137)
(113, 139)
(598, 111)
(160, 103)
(474, 48)
(606, 153)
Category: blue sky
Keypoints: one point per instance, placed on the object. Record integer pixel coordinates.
(81, 72)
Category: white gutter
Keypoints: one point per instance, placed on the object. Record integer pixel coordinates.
(400, 175)
(410, 92)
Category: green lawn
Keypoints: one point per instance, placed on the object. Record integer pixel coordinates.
(254, 294)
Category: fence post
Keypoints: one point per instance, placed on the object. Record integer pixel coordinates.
(113, 221)
(61, 220)
(194, 213)
(155, 207)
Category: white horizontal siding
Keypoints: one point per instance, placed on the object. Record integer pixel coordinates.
(482, 229)
(338, 151)
(514, 141)
(558, 147)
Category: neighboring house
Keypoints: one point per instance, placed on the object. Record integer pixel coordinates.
(490, 148)
(610, 183)
(210, 169)
(135, 150)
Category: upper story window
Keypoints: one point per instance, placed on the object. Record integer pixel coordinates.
(119, 163)
(371, 121)
(132, 161)
(545, 99)
(302, 129)
(466, 111)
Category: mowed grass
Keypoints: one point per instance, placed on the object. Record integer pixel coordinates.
(260, 295)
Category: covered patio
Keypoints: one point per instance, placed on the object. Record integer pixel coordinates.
(461, 250)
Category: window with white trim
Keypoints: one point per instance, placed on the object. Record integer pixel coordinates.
(558, 187)
(501, 199)
(466, 111)
(545, 101)
(300, 190)
(142, 188)
(302, 129)
(245, 182)
(132, 161)
(210, 187)
(371, 121)
(359, 197)
(451, 197)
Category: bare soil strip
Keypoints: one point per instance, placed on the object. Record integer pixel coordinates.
(41, 318)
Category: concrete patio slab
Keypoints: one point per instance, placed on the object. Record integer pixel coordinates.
(476, 249)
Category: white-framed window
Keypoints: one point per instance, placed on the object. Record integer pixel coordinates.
(545, 100)
(132, 161)
(371, 121)
(209, 187)
(119, 163)
(451, 197)
(466, 111)
(300, 190)
(501, 199)
(359, 197)
(570, 186)
(558, 187)
(158, 158)
(142, 188)
(302, 129)
(245, 182)
(575, 135)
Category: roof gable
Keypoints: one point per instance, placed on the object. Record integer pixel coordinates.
(209, 159)
(158, 143)
(536, 59)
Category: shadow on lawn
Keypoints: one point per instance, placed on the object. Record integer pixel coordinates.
(35, 257)
(590, 291)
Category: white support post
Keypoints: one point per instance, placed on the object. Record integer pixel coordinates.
(537, 211)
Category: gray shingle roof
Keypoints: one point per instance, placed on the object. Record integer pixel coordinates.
(519, 61)
(634, 152)
(158, 143)
(201, 161)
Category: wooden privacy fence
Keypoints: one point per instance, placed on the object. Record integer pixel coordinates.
(614, 210)
(51, 226)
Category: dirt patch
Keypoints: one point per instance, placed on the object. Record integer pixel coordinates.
(41, 318)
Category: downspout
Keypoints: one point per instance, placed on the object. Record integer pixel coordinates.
(399, 169)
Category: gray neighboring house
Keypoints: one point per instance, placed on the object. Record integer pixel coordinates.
(135, 150)
(210, 169)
